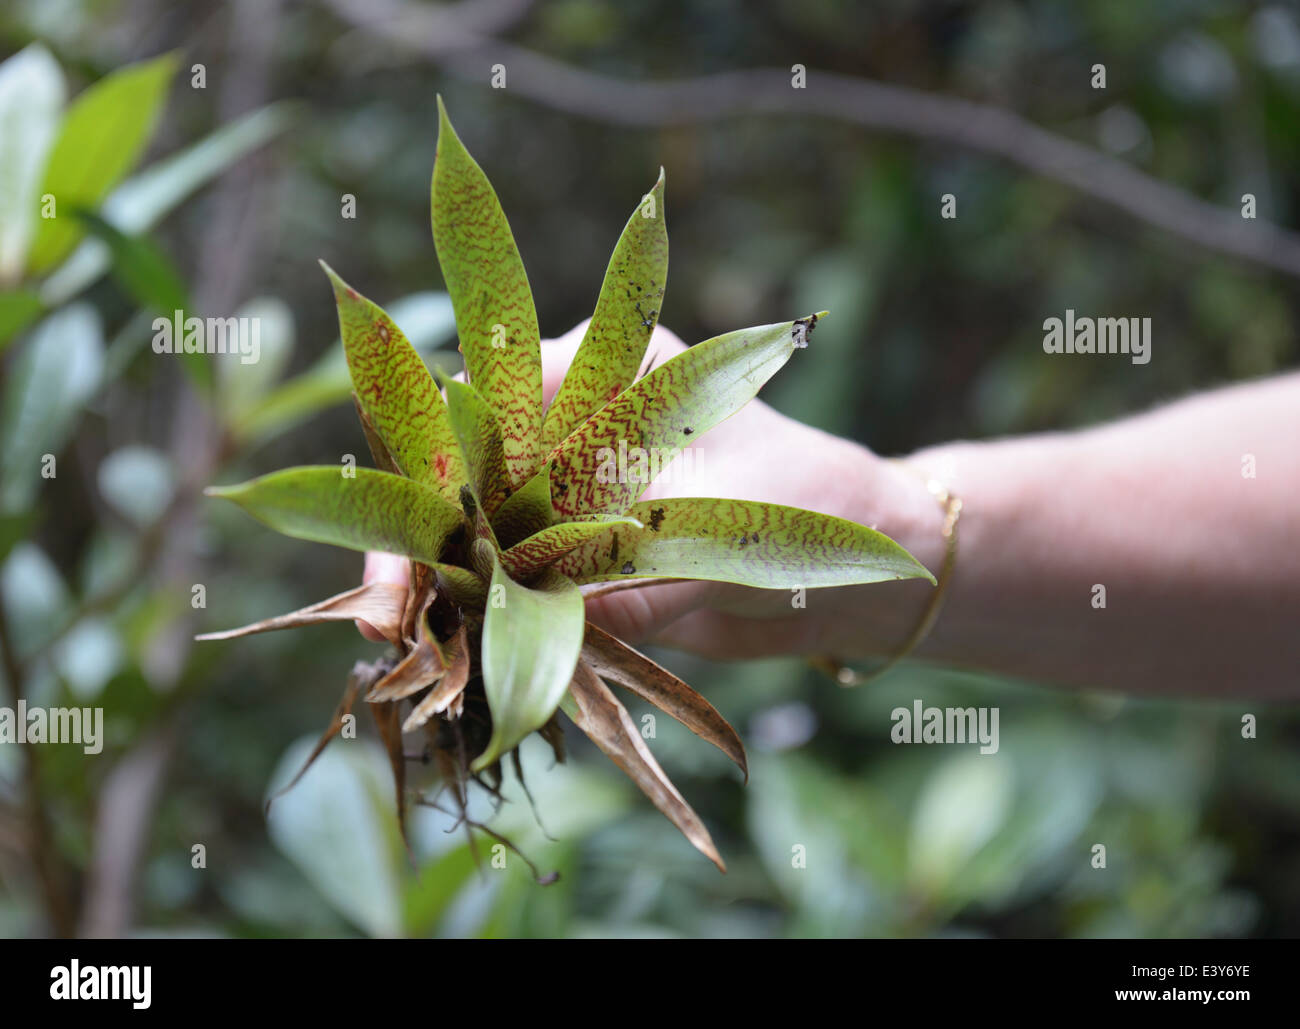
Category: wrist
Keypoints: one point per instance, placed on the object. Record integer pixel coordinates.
(875, 620)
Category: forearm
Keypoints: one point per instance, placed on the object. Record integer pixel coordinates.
(1197, 565)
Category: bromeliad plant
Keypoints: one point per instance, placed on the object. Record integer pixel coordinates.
(504, 509)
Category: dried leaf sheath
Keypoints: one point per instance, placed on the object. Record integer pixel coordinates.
(379, 603)
(615, 661)
(597, 712)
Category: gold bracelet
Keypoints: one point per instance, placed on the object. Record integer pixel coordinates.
(951, 505)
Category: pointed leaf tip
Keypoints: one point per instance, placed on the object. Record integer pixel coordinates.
(496, 319)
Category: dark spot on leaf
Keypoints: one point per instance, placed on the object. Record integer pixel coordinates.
(628, 568)
(656, 518)
(688, 430)
(743, 539)
(613, 550)
(754, 537)
(802, 329)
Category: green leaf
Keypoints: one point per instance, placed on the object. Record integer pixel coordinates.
(428, 320)
(531, 640)
(146, 273)
(150, 279)
(741, 541)
(18, 310)
(52, 379)
(103, 135)
(544, 548)
(527, 510)
(495, 316)
(479, 435)
(31, 97)
(668, 410)
(627, 310)
(397, 393)
(373, 511)
(138, 204)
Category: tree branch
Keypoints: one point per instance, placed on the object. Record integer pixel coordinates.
(467, 52)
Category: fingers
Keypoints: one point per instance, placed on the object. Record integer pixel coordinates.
(726, 637)
(637, 615)
(381, 567)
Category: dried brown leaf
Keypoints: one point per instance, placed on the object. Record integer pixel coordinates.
(598, 713)
(379, 603)
(362, 675)
(388, 720)
(422, 666)
(612, 659)
(457, 658)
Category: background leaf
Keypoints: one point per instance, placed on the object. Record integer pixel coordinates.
(53, 378)
(333, 826)
(31, 97)
(139, 203)
(103, 135)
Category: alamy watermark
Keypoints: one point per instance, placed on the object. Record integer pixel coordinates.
(645, 464)
(79, 725)
(1073, 335)
(921, 724)
(74, 981)
(193, 335)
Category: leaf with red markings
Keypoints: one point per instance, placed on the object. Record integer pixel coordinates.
(741, 541)
(666, 410)
(370, 510)
(526, 511)
(625, 317)
(397, 393)
(544, 548)
(495, 316)
(479, 435)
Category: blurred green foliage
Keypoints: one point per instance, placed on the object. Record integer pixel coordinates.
(936, 334)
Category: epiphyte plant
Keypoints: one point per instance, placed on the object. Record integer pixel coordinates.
(497, 502)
